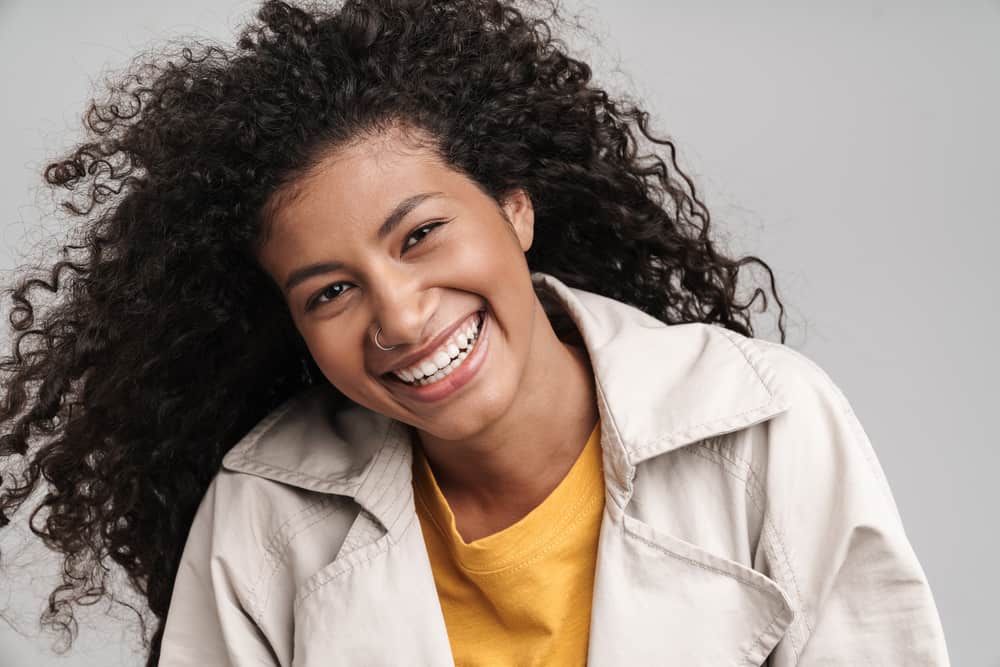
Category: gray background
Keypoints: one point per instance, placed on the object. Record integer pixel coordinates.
(851, 145)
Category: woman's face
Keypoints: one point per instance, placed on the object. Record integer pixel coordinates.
(382, 234)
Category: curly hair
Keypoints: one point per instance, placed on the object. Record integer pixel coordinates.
(126, 391)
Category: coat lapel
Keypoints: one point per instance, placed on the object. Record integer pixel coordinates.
(376, 605)
(658, 600)
(376, 602)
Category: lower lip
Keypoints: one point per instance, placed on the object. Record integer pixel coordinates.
(459, 377)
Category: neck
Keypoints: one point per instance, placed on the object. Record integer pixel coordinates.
(496, 477)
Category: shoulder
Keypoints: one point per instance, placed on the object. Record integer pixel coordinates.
(793, 376)
(817, 407)
(799, 375)
(817, 446)
(814, 405)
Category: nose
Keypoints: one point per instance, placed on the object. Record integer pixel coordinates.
(402, 307)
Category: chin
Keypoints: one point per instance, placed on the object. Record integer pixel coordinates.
(465, 426)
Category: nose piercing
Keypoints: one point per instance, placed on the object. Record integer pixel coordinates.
(379, 345)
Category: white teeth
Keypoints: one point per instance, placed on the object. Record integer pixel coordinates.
(441, 359)
(444, 361)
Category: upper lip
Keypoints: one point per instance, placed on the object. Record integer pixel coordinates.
(433, 344)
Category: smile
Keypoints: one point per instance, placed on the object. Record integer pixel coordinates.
(443, 361)
(448, 371)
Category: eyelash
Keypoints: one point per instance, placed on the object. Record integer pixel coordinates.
(315, 301)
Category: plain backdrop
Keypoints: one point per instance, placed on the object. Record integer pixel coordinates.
(852, 145)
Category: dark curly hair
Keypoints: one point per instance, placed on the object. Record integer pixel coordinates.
(124, 393)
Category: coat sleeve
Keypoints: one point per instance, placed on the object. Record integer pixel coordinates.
(833, 537)
(210, 620)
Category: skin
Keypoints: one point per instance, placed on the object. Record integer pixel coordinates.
(505, 440)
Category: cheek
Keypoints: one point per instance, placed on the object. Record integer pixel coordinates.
(493, 258)
(343, 368)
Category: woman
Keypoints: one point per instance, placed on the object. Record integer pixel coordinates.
(384, 345)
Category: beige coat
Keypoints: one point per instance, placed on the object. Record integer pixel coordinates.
(746, 517)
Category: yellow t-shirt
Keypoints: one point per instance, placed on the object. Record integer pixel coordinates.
(521, 596)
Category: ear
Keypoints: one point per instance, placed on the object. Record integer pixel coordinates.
(520, 214)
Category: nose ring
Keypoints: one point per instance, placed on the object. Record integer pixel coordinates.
(379, 345)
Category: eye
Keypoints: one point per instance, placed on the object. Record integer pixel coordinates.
(418, 234)
(333, 291)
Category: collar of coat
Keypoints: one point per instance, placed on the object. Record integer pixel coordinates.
(659, 387)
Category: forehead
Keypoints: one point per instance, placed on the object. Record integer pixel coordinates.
(355, 183)
(341, 201)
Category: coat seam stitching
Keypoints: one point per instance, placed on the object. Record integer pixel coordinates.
(783, 551)
(269, 550)
(754, 490)
(276, 550)
(314, 483)
(350, 567)
(759, 642)
(326, 580)
(751, 488)
(697, 564)
(746, 357)
(382, 469)
(677, 434)
(391, 513)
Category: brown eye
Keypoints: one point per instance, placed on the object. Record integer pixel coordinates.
(418, 234)
(332, 291)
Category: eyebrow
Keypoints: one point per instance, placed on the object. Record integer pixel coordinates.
(390, 223)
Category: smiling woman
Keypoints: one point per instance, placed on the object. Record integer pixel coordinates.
(382, 344)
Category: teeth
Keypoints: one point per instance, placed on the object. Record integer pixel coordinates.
(444, 360)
